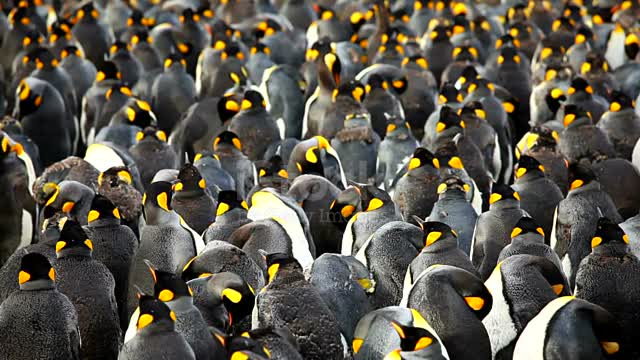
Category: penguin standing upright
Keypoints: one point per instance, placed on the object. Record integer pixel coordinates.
(493, 227)
(530, 183)
(228, 148)
(172, 93)
(513, 306)
(357, 144)
(114, 245)
(416, 192)
(398, 144)
(155, 334)
(288, 293)
(527, 237)
(91, 34)
(81, 71)
(80, 278)
(581, 139)
(621, 124)
(192, 200)
(573, 229)
(544, 148)
(22, 314)
(152, 154)
(606, 277)
(106, 77)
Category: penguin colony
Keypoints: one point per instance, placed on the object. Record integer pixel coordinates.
(320, 179)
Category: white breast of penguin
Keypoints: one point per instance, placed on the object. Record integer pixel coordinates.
(498, 322)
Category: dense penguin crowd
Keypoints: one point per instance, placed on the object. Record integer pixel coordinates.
(320, 179)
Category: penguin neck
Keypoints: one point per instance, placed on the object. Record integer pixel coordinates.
(441, 245)
(189, 193)
(528, 238)
(612, 249)
(36, 285)
(79, 253)
(160, 326)
(506, 204)
(232, 216)
(161, 217)
(286, 276)
(107, 222)
(181, 305)
(593, 185)
(452, 194)
(529, 176)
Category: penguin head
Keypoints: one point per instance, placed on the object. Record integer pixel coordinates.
(473, 109)
(188, 16)
(539, 137)
(356, 20)
(449, 122)
(260, 48)
(151, 134)
(332, 62)
(397, 128)
(266, 28)
(631, 45)
(563, 24)
(527, 225)
(412, 339)
(453, 183)
(231, 50)
(573, 13)
(575, 116)
(472, 290)
(479, 86)
(460, 23)
(440, 33)
(174, 61)
(580, 175)
(609, 233)
(447, 156)
(601, 15)
(86, 12)
(237, 296)
(158, 195)
(138, 113)
(468, 74)
(620, 101)
(167, 286)
(36, 273)
(189, 180)
(579, 86)
(274, 167)
(352, 89)
(154, 313)
(480, 24)
(32, 39)
(583, 35)
(118, 91)
(415, 62)
(28, 99)
(423, 157)
(324, 13)
(371, 197)
(71, 50)
(435, 231)
(528, 165)
(278, 262)
(119, 47)
(509, 56)
(507, 40)
(252, 100)
(228, 106)
(229, 200)
(502, 193)
(136, 18)
(66, 196)
(140, 37)
(312, 162)
(516, 13)
(319, 49)
(108, 71)
(594, 64)
(19, 16)
(241, 344)
(465, 53)
(549, 51)
(449, 94)
(227, 139)
(103, 209)
(346, 204)
(73, 241)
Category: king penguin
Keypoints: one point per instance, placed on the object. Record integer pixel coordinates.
(192, 200)
(231, 214)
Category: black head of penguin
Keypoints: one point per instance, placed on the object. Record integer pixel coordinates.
(155, 313)
(103, 209)
(229, 200)
(502, 192)
(28, 99)
(372, 198)
(108, 71)
(252, 100)
(527, 164)
(118, 91)
(579, 85)
(19, 15)
(468, 74)
(609, 235)
(631, 45)
(440, 33)
(332, 62)
(620, 101)
(266, 28)
(465, 53)
(507, 40)
(575, 116)
(136, 18)
(449, 94)
(594, 64)
(175, 61)
(73, 241)
(436, 231)
(228, 106)
(32, 38)
(352, 89)
(527, 225)
(189, 180)
(473, 109)
(415, 62)
(36, 272)
(583, 35)
(71, 50)
(151, 133)
(278, 263)
(43, 58)
(227, 139)
(138, 113)
(319, 49)
(509, 57)
(449, 122)
(422, 157)
(453, 183)
(232, 50)
(580, 175)
(237, 344)
(167, 286)
(516, 13)
(158, 196)
(345, 206)
(119, 47)
(274, 167)
(415, 340)
(397, 128)
(236, 294)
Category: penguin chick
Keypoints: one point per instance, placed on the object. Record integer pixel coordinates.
(192, 200)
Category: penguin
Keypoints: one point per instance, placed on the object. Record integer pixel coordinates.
(583, 43)
(130, 67)
(245, 345)
(174, 292)
(289, 293)
(12, 41)
(156, 335)
(482, 134)
(357, 145)
(172, 93)
(280, 342)
(328, 25)
(581, 139)
(345, 101)
(228, 147)
(115, 98)
(441, 247)
(70, 197)
(415, 193)
(544, 148)
(419, 99)
(191, 199)
(515, 79)
(328, 79)
(259, 62)
(47, 69)
(254, 126)
(343, 283)
(543, 112)
(449, 97)
(621, 124)
(80, 277)
(456, 312)
(81, 71)
(120, 187)
(272, 173)
(315, 156)
(611, 261)
(231, 214)
(569, 327)
(134, 116)
(397, 145)
(41, 111)
(151, 153)
(530, 182)
(493, 227)
(572, 229)
(437, 49)
(93, 36)
(164, 240)
(192, 32)
(38, 298)
(281, 86)
(595, 69)
(381, 102)
(114, 246)
(106, 77)
(616, 176)
(217, 179)
(394, 332)
(377, 209)
(453, 209)
(527, 237)
(581, 94)
(142, 49)
(514, 306)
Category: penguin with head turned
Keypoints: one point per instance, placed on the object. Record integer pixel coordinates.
(574, 228)
(155, 334)
(357, 145)
(80, 277)
(192, 200)
(570, 328)
(454, 302)
(24, 335)
(70, 197)
(217, 178)
(114, 246)
(530, 182)
(121, 188)
(527, 237)
(542, 144)
(315, 156)
(493, 227)
(514, 305)
(231, 214)
(607, 277)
